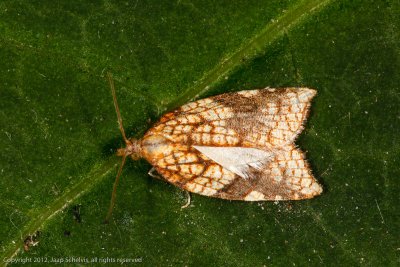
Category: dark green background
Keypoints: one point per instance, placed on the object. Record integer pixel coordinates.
(59, 132)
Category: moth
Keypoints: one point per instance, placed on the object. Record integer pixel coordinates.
(235, 146)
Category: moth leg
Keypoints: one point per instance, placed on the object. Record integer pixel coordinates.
(188, 200)
(153, 173)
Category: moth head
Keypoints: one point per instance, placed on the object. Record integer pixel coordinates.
(132, 149)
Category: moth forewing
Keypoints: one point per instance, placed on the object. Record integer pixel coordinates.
(237, 146)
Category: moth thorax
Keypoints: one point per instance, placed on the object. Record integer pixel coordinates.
(132, 149)
(156, 147)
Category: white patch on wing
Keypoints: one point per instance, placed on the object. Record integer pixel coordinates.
(237, 159)
(254, 196)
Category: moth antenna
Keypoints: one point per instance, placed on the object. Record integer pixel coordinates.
(121, 127)
(114, 192)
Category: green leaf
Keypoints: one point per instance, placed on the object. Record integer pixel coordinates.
(59, 133)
